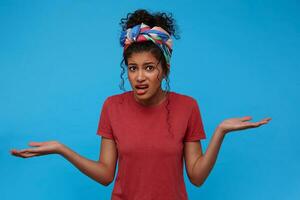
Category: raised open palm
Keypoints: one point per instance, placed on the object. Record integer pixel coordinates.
(235, 124)
(41, 148)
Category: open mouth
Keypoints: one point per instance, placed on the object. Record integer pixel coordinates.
(141, 89)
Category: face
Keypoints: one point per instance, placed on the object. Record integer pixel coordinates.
(145, 75)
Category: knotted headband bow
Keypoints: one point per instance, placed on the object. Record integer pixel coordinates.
(143, 32)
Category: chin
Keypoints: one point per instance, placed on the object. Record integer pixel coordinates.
(143, 97)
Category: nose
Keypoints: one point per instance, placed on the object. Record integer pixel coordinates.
(140, 76)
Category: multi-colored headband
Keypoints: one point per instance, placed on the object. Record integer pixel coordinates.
(143, 32)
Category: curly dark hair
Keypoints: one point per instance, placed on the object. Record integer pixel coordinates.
(161, 19)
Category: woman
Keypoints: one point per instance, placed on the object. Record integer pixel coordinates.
(148, 130)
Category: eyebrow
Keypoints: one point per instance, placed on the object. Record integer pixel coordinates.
(143, 63)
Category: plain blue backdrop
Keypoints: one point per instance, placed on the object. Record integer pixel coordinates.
(59, 60)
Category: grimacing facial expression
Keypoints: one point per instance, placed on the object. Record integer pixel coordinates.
(145, 75)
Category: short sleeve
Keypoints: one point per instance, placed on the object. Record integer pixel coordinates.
(104, 125)
(195, 130)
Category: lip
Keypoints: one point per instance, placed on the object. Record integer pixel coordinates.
(141, 89)
(142, 86)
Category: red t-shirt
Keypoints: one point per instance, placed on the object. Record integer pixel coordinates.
(150, 152)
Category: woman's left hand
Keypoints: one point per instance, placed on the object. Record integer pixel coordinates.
(235, 124)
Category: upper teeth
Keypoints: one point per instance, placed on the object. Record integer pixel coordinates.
(142, 87)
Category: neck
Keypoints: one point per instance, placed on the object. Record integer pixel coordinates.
(155, 100)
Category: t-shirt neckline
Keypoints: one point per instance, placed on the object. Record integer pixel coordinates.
(152, 107)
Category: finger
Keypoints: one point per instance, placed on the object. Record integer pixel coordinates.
(12, 150)
(257, 124)
(264, 122)
(35, 144)
(28, 155)
(251, 124)
(14, 153)
(246, 118)
(18, 154)
(23, 150)
(266, 119)
(30, 150)
(24, 153)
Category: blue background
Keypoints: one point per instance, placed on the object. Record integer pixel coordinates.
(59, 60)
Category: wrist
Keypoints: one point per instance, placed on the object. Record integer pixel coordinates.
(61, 149)
(221, 131)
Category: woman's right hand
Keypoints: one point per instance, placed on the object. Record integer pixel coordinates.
(41, 148)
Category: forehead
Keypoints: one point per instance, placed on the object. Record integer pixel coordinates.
(142, 57)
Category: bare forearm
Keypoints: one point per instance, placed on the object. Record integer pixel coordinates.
(205, 163)
(95, 170)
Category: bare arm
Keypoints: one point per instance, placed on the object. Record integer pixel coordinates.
(101, 171)
(203, 164)
(198, 165)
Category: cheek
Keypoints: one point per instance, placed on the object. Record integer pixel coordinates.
(130, 77)
(156, 80)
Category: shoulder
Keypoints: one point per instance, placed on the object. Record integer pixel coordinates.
(117, 98)
(183, 99)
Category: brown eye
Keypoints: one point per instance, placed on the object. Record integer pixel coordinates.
(149, 68)
(132, 68)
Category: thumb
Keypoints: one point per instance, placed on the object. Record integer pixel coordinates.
(35, 144)
(246, 118)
